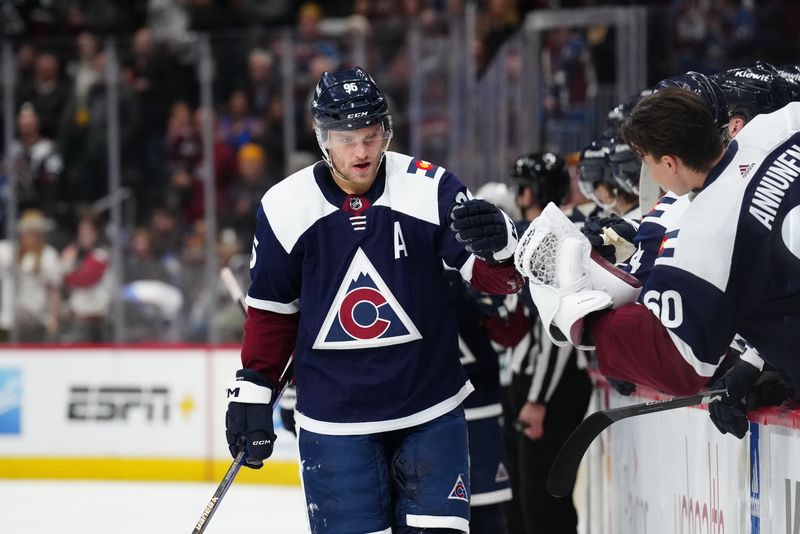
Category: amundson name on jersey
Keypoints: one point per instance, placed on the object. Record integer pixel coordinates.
(773, 186)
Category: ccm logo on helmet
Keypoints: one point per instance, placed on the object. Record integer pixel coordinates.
(357, 115)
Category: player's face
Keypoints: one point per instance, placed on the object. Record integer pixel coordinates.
(604, 194)
(664, 171)
(356, 155)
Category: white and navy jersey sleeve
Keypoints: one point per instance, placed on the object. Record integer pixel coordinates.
(274, 271)
(729, 267)
(651, 234)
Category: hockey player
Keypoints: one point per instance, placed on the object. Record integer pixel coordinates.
(550, 389)
(347, 272)
(737, 95)
(598, 183)
(750, 91)
(704, 286)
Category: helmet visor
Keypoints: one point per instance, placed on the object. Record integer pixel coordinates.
(329, 138)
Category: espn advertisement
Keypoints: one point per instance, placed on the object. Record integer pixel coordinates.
(106, 402)
(96, 402)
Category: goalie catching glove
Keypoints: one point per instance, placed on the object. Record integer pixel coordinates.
(568, 281)
(248, 421)
(488, 232)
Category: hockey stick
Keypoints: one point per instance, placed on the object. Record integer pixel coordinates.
(236, 294)
(233, 287)
(222, 489)
(562, 475)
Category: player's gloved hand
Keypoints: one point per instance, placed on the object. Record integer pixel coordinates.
(621, 386)
(593, 231)
(487, 231)
(730, 413)
(248, 421)
(594, 228)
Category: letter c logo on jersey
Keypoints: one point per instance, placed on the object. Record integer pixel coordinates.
(360, 313)
(364, 313)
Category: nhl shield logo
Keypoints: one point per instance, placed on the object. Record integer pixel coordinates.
(364, 312)
(459, 491)
(355, 203)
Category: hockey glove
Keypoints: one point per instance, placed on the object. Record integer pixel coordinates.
(769, 390)
(487, 231)
(730, 414)
(248, 421)
(601, 231)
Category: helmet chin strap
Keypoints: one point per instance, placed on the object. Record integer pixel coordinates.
(326, 156)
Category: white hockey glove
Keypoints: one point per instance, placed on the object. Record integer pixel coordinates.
(568, 281)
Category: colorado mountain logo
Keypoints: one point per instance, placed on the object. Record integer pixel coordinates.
(364, 312)
(459, 491)
(502, 473)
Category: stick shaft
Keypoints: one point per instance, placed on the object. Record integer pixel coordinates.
(564, 470)
(222, 489)
(233, 287)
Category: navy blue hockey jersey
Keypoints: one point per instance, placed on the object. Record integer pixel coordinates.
(376, 342)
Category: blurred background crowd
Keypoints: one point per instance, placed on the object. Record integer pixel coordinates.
(455, 70)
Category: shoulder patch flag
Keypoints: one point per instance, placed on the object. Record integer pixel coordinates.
(418, 166)
(364, 312)
(459, 491)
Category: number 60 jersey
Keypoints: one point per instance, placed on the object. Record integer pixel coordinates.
(376, 339)
(731, 265)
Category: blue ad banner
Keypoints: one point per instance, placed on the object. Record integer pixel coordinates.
(10, 400)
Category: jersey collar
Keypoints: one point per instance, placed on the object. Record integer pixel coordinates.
(717, 169)
(336, 196)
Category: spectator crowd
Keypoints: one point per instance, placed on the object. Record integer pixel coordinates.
(59, 151)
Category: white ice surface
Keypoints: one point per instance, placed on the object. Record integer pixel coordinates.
(39, 507)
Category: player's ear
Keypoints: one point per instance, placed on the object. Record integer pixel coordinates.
(670, 162)
(735, 126)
